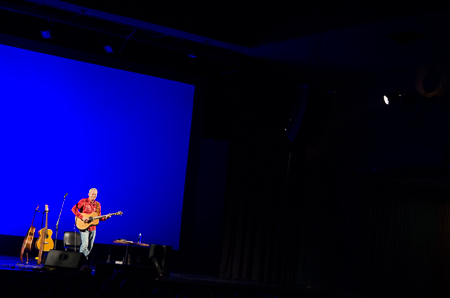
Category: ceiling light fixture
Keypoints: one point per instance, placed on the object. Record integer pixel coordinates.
(46, 34)
(108, 49)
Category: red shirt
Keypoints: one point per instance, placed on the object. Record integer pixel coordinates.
(86, 206)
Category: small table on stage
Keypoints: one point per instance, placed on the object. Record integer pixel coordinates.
(129, 244)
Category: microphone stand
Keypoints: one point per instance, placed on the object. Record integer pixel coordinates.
(57, 223)
(74, 238)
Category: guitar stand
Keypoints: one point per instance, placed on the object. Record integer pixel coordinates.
(44, 257)
(21, 259)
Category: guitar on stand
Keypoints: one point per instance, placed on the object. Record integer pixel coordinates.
(93, 219)
(44, 242)
(28, 241)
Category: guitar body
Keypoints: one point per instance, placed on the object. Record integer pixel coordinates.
(81, 225)
(47, 241)
(28, 241)
(94, 219)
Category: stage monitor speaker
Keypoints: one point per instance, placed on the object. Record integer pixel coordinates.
(162, 255)
(57, 259)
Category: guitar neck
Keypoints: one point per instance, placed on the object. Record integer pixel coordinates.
(97, 217)
(34, 215)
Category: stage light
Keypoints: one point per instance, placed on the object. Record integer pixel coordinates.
(399, 98)
(393, 97)
(191, 56)
(46, 34)
(108, 49)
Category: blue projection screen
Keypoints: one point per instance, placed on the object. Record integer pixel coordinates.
(68, 126)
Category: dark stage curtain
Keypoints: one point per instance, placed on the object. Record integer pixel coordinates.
(398, 239)
(252, 210)
(278, 230)
(443, 261)
(254, 236)
(326, 226)
(391, 239)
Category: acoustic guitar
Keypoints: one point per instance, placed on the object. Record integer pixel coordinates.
(28, 241)
(93, 220)
(44, 242)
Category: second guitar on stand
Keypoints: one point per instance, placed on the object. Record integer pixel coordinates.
(44, 243)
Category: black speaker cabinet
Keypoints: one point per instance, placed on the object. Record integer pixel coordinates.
(57, 259)
(162, 254)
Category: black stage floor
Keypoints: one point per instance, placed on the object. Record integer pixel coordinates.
(180, 282)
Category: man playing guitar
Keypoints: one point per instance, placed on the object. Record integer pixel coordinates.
(87, 206)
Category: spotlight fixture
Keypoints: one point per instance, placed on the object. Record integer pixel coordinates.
(398, 97)
(108, 49)
(46, 34)
(392, 98)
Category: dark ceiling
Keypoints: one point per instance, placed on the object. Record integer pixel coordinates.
(335, 35)
(252, 23)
